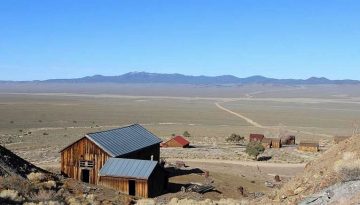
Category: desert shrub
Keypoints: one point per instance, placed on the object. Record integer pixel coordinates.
(16, 183)
(254, 149)
(348, 167)
(42, 195)
(45, 133)
(36, 177)
(186, 134)
(234, 138)
(11, 195)
(11, 122)
(49, 184)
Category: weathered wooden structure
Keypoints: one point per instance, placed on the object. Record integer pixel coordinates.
(83, 159)
(178, 141)
(141, 178)
(288, 140)
(309, 146)
(266, 142)
(256, 137)
(275, 143)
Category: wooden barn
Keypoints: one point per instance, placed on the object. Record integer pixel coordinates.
(309, 146)
(275, 143)
(266, 142)
(288, 140)
(178, 141)
(141, 178)
(256, 137)
(83, 159)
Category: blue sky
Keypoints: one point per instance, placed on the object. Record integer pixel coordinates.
(278, 38)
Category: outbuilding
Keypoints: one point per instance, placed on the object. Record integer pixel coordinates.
(256, 137)
(140, 178)
(266, 142)
(178, 141)
(288, 140)
(309, 146)
(275, 143)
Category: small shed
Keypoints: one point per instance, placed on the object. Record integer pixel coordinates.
(309, 146)
(140, 178)
(288, 140)
(178, 141)
(266, 142)
(275, 143)
(338, 139)
(256, 137)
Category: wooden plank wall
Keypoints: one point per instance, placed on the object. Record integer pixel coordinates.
(122, 185)
(83, 149)
(157, 182)
(145, 154)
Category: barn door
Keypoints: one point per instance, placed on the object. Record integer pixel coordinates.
(85, 175)
(132, 187)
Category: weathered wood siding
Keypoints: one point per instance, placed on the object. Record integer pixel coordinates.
(83, 149)
(145, 154)
(158, 182)
(276, 144)
(306, 148)
(153, 187)
(122, 185)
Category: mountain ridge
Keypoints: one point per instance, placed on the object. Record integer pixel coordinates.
(176, 78)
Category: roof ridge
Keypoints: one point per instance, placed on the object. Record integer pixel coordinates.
(118, 128)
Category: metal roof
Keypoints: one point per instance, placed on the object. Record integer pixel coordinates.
(128, 168)
(181, 140)
(121, 141)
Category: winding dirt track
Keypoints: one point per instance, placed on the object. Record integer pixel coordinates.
(258, 125)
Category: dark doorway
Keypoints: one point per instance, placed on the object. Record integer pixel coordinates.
(85, 175)
(132, 187)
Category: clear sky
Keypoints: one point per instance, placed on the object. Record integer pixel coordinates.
(42, 39)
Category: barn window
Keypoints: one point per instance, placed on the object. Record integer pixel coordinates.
(86, 164)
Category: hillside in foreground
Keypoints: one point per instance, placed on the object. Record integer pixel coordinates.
(333, 178)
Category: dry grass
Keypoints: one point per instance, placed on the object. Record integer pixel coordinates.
(348, 167)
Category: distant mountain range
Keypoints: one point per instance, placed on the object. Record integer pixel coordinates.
(144, 77)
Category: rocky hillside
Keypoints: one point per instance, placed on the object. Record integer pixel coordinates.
(336, 169)
(13, 165)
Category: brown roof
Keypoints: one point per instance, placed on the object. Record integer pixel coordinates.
(257, 136)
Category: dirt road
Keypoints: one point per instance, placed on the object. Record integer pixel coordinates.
(243, 163)
(258, 125)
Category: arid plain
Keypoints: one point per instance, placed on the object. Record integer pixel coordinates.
(37, 120)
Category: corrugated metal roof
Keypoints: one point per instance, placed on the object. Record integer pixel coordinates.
(181, 140)
(121, 141)
(128, 168)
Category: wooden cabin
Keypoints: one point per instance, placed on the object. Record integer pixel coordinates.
(266, 142)
(308, 146)
(288, 140)
(256, 137)
(83, 159)
(338, 139)
(140, 178)
(178, 141)
(276, 143)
